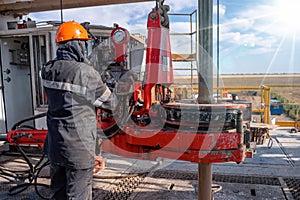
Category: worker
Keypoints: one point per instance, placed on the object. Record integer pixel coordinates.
(73, 89)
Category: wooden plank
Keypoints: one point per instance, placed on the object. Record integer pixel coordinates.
(183, 57)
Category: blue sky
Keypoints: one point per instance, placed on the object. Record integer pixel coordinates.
(256, 36)
(260, 36)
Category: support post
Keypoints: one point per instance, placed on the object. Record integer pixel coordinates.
(205, 181)
(205, 51)
(205, 87)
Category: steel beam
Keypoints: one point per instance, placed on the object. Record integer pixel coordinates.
(25, 7)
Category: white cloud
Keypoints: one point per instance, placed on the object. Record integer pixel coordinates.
(222, 10)
(177, 6)
(241, 24)
(126, 15)
(131, 16)
(244, 29)
(249, 29)
(264, 19)
(181, 27)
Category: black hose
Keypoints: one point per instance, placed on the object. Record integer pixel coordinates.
(28, 119)
(115, 128)
(36, 184)
(30, 175)
(3, 137)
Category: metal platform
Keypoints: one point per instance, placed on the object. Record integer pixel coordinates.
(273, 173)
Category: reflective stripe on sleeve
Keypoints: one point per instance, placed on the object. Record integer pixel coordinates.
(104, 97)
(65, 86)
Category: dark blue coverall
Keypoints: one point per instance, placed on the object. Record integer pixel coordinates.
(73, 89)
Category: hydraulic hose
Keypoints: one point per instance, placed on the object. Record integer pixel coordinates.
(28, 119)
(3, 137)
(115, 128)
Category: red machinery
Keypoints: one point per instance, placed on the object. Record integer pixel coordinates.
(27, 135)
(148, 124)
(120, 38)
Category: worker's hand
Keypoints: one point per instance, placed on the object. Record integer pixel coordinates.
(99, 164)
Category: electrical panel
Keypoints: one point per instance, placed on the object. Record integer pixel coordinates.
(20, 56)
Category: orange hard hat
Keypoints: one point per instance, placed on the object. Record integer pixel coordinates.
(71, 31)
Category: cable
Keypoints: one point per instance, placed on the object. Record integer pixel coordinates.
(270, 143)
(61, 11)
(216, 188)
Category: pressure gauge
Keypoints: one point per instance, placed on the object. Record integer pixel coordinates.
(119, 36)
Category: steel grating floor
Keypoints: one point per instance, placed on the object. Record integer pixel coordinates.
(294, 186)
(217, 177)
(126, 186)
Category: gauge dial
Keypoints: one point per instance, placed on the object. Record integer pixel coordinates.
(119, 36)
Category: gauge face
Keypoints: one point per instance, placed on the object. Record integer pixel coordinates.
(119, 36)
